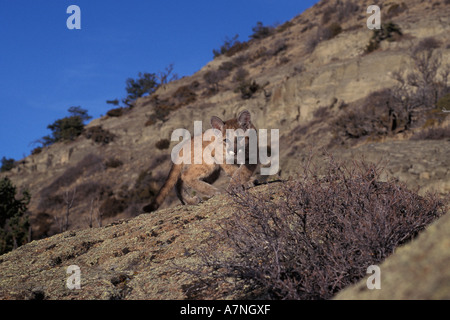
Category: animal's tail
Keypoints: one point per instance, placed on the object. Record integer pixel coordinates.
(171, 180)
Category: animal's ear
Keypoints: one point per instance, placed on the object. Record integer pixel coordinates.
(217, 123)
(244, 119)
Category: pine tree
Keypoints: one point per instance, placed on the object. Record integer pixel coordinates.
(14, 223)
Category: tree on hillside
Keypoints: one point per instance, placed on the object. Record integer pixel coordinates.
(67, 128)
(146, 83)
(260, 31)
(7, 164)
(14, 223)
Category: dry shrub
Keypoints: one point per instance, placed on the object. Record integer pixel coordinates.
(213, 78)
(228, 66)
(334, 29)
(41, 225)
(322, 113)
(112, 207)
(285, 26)
(322, 34)
(185, 95)
(379, 114)
(260, 31)
(425, 84)
(241, 60)
(339, 12)
(163, 107)
(395, 9)
(36, 150)
(279, 46)
(309, 238)
(438, 133)
(113, 163)
(248, 88)
(151, 121)
(117, 112)
(444, 102)
(240, 75)
(161, 112)
(230, 47)
(428, 43)
(389, 31)
(163, 144)
(259, 53)
(132, 200)
(237, 47)
(99, 135)
(93, 190)
(87, 166)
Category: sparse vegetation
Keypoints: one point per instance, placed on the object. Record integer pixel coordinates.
(285, 26)
(36, 150)
(424, 86)
(260, 31)
(322, 34)
(113, 163)
(99, 135)
(379, 114)
(278, 47)
(417, 99)
(444, 102)
(240, 75)
(132, 200)
(112, 206)
(230, 47)
(166, 76)
(227, 66)
(338, 12)
(162, 144)
(389, 31)
(185, 95)
(116, 112)
(436, 133)
(395, 9)
(51, 196)
(334, 29)
(213, 78)
(248, 88)
(309, 238)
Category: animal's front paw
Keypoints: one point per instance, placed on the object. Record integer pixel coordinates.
(194, 200)
(232, 187)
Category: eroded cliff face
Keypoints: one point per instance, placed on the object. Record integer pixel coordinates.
(295, 78)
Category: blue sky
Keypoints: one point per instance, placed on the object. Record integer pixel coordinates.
(45, 68)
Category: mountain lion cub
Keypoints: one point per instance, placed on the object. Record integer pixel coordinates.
(191, 175)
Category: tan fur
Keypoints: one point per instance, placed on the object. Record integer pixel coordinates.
(184, 176)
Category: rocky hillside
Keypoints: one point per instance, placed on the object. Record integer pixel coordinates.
(308, 79)
(147, 258)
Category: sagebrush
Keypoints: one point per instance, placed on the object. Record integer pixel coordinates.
(311, 237)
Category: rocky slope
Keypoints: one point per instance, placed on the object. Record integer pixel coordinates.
(147, 258)
(299, 72)
(417, 271)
